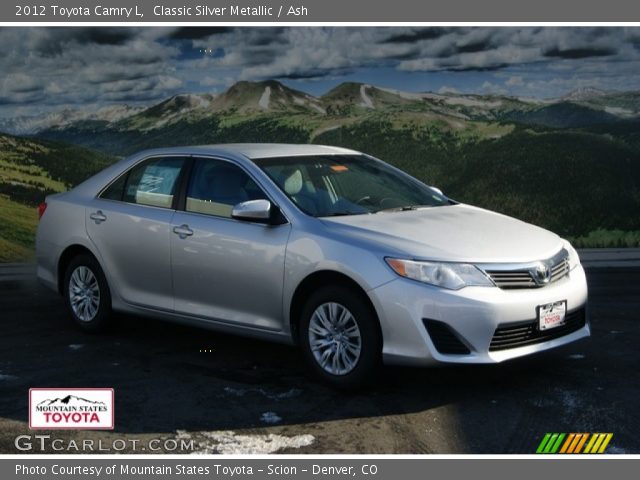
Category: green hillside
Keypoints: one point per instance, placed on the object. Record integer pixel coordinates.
(17, 228)
(29, 171)
(570, 181)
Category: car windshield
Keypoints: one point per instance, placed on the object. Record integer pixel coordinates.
(333, 185)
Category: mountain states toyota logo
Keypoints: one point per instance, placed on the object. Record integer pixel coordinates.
(71, 409)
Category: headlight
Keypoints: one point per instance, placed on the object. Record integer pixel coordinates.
(453, 276)
(574, 259)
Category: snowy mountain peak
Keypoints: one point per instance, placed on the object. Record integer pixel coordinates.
(28, 125)
(584, 93)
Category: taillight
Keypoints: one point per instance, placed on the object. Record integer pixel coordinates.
(41, 208)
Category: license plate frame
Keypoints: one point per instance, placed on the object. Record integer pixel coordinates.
(551, 315)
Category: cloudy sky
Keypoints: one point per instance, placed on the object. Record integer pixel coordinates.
(44, 69)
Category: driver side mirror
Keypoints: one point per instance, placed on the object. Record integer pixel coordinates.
(261, 211)
(436, 189)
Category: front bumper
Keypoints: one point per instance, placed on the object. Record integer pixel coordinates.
(473, 314)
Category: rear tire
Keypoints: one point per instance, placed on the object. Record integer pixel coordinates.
(86, 294)
(340, 337)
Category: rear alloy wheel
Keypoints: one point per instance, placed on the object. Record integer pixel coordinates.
(340, 337)
(87, 294)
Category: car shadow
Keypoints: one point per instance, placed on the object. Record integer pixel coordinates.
(169, 378)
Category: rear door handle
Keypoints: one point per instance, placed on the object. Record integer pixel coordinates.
(98, 217)
(183, 231)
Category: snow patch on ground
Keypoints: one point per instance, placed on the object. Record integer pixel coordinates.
(619, 111)
(270, 417)
(568, 399)
(241, 392)
(309, 102)
(576, 356)
(227, 442)
(76, 346)
(405, 95)
(326, 129)
(616, 450)
(417, 95)
(534, 101)
(201, 102)
(472, 102)
(543, 402)
(366, 100)
(264, 99)
(158, 124)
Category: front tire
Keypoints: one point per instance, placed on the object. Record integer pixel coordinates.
(340, 337)
(87, 294)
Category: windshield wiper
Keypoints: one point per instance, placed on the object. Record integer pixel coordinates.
(404, 208)
(343, 213)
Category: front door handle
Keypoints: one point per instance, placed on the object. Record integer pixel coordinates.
(183, 231)
(98, 217)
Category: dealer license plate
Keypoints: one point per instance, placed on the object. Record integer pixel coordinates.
(552, 315)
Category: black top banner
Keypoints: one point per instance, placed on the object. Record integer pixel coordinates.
(203, 11)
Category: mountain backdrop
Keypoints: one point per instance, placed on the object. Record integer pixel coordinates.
(570, 164)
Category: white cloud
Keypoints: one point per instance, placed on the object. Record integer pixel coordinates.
(493, 88)
(86, 66)
(514, 81)
(446, 89)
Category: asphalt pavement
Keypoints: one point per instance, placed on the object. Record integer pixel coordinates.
(226, 394)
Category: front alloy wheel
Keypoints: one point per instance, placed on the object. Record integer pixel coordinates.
(340, 336)
(334, 338)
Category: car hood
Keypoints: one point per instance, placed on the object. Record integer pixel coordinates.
(459, 233)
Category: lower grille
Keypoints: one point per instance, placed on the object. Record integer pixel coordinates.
(444, 338)
(527, 333)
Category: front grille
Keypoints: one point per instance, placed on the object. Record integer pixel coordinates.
(521, 334)
(444, 338)
(524, 276)
(512, 279)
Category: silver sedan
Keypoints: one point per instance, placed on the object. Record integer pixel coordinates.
(333, 250)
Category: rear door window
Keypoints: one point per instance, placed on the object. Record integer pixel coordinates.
(153, 183)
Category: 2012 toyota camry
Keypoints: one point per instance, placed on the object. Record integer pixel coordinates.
(328, 248)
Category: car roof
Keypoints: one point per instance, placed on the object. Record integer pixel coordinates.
(258, 150)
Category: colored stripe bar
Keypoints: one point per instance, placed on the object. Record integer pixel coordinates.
(543, 443)
(592, 440)
(556, 446)
(581, 443)
(606, 441)
(566, 444)
(574, 444)
(550, 443)
(596, 445)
